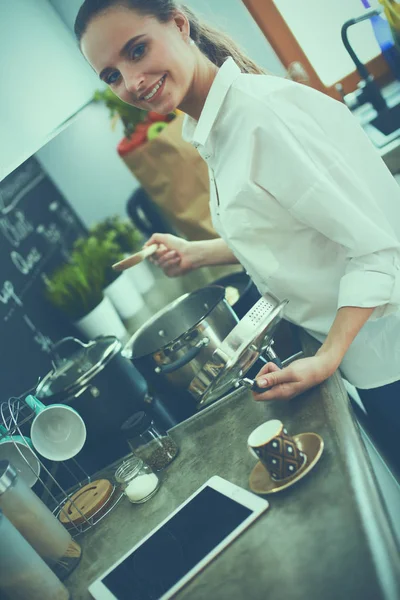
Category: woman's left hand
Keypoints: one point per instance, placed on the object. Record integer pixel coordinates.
(294, 379)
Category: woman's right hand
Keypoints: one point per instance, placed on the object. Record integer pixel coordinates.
(175, 256)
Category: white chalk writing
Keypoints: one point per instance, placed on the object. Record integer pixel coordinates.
(25, 265)
(42, 340)
(66, 216)
(52, 234)
(19, 183)
(16, 228)
(7, 293)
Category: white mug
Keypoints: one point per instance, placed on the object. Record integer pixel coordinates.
(58, 432)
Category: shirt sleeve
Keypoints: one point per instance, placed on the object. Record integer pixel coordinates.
(310, 177)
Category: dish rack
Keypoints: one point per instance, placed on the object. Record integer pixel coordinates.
(15, 418)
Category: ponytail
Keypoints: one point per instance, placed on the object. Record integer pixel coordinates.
(216, 45)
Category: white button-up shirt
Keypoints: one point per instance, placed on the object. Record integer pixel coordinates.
(308, 207)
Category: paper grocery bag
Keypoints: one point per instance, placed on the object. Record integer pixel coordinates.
(176, 178)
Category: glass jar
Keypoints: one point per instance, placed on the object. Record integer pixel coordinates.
(147, 441)
(137, 480)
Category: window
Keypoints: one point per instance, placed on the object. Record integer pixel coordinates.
(308, 31)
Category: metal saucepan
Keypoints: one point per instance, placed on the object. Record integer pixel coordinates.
(197, 344)
(179, 339)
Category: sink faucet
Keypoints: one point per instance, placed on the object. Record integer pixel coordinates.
(368, 90)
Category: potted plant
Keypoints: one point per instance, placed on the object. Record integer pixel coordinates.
(101, 254)
(77, 291)
(129, 240)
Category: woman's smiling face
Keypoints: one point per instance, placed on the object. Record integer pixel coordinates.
(146, 63)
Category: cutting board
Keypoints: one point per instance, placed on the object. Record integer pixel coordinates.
(86, 502)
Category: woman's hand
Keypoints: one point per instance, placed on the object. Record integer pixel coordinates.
(175, 256)
(294, 379)
(305, 373)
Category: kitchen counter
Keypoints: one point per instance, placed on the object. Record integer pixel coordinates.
(326, 537)
(391, 156)
(387, 146)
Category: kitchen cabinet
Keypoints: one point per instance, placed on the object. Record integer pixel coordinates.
(44, 79)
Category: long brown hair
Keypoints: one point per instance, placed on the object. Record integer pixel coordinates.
(213, 43)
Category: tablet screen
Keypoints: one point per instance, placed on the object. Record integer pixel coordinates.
(172, 551)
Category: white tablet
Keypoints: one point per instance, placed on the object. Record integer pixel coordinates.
(183, 544)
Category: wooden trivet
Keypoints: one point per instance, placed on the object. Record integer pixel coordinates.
(89, 499)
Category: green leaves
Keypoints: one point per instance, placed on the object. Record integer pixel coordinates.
(130, 115)
(74, 292)
(128, 238)
(76, 288)
(95, 257)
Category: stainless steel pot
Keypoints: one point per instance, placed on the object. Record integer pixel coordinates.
(174, 345)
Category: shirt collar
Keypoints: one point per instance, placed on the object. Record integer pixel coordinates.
(197, 132)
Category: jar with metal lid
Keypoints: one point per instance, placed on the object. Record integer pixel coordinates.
(23, 574)
(137, 480)
(37, 523)
(147, 441)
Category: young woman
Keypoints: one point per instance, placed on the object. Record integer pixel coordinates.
(298, 194)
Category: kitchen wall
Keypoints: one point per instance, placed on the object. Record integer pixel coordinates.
(43, 77)
(82, 159)
(83, 163)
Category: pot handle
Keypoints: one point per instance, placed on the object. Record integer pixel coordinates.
(55, 357)
(184, 360)
(251, 384)
(272, 357)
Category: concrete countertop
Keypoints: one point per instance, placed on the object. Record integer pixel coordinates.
(326, 537)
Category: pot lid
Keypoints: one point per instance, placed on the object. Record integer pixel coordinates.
(79, 368)
(237, 353)
(175, 321)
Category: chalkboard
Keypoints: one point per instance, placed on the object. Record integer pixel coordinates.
(37, 230)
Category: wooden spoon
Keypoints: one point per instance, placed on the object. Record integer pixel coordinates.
(136, 258)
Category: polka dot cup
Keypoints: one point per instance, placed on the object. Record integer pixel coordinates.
(276, 449)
